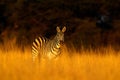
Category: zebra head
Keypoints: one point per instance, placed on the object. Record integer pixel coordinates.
(60, 35)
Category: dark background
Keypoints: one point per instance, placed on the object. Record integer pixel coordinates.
(26, 19)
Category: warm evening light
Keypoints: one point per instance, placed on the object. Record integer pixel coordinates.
(59, 40)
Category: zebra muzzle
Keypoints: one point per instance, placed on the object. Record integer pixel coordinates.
(61, 42)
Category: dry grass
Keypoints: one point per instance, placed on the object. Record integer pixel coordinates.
(18, 65)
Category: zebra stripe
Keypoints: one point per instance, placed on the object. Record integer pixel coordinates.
(43, 47)
(37, 46)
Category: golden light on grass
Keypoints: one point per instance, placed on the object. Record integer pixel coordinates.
(71, 65)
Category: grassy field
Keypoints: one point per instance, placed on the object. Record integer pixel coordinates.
(18, 65)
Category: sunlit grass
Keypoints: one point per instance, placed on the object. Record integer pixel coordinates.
(70, 65)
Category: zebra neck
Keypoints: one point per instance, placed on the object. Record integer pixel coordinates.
(55, 50)
(55, 47)
(57, 43)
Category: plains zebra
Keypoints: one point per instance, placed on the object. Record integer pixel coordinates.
(48, 48)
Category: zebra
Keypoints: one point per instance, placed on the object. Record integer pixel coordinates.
(48, 48)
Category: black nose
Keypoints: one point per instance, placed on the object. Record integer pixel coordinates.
(61, 42)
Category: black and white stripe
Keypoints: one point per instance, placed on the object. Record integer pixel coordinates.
(49, 49)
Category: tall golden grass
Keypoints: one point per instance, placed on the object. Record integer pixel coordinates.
(70, 65)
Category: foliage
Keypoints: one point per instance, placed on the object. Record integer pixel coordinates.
(70, 65)
(26, 19)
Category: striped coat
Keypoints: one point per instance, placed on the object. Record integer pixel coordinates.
(48, 48)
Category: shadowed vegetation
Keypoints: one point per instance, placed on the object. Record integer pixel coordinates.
(25, 20)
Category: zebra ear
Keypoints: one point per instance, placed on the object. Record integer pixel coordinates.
(58, 29)
(64, 29)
